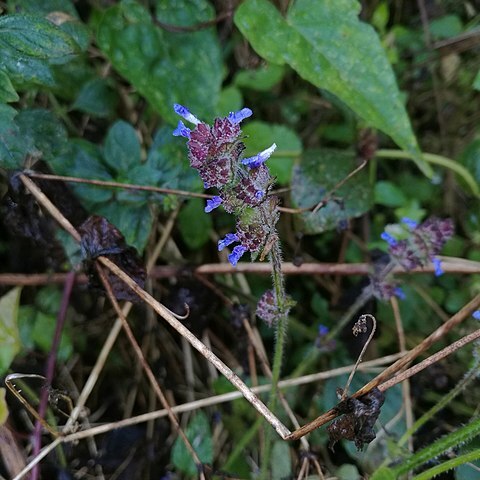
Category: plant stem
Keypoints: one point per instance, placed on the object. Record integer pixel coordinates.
(280, 337)
(435, 160)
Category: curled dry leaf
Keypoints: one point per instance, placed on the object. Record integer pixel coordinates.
(359, 417)
(101, 238)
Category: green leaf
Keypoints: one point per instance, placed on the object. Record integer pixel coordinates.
(7, 92)
(134, 221)
(29, 45)
(195, 225)
(48, 134)
(199, 434)
(230, 100)
(262, 79)
(3, 407)
(122, 147)
(327, 45)
(389, 195)
(165, 67)
(476, 81)
(261, 135)
(43, 332)
(167, 155)
(281, 463)
(9, 336)
(84, 160)
(318, 173)
(383, 473)
(97, 98)
(13, 145)
(446, 27)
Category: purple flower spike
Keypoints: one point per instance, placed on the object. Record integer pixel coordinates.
(237, 252)
(411, 224)
(437, 263)
(229, 239)
(399, 293)
(260, 158)
(476, 314)
(237, 117)
(388, 238)
(213, 203)
(181, 130)
(185, 113)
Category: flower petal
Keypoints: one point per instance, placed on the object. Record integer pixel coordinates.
(213, 203)
(437, 263)
(262, 157)
(411, 224)
(185, 113)
(229, 239)
(181, 130)
(388, 238)
(237, 252)
(237, 117)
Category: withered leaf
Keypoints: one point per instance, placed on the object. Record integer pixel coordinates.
(101, 238)
(358, 419)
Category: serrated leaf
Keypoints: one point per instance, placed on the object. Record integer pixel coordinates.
(195, 225)
(318, 173)
(327, 45)
(7, 92)
(261, 135)
(30, 45)
(199, 434)
(9, 336)
(165, 67)
(97, 98)
(122, 147)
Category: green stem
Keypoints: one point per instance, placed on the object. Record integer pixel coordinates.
(280, 338)
(471, 375)
(449, 465)
(436, 160)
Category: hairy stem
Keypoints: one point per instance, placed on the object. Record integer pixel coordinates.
(280, 337)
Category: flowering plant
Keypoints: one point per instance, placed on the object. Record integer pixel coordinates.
(243, 183)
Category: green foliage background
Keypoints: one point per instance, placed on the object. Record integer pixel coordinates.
(88, 87)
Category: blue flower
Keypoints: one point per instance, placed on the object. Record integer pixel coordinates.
(399, 293)
(259, 194)
(388, 238)
(476, 314)
(437, 263)
(262, 157)
(229, 239)
(412, 224)
(181, 130)
(237, 117)
(185, 113)
(322, 330)
(213, 203)
(237, 252)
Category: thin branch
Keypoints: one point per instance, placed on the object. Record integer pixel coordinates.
(148, 371)
(449, 265)
(360, 327)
